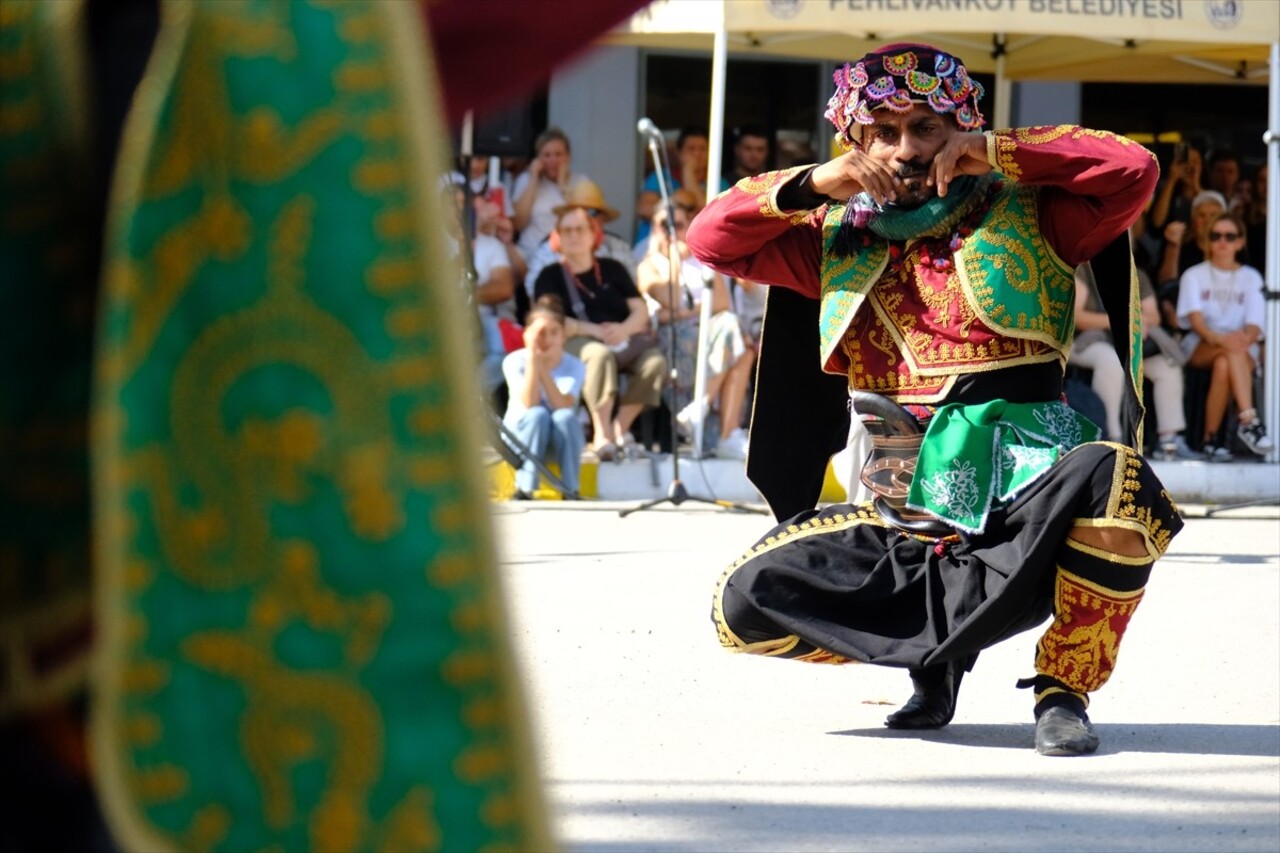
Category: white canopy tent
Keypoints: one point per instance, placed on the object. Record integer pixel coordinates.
(1234, 42)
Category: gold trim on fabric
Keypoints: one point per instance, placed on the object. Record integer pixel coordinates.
(415, 87)
(111, 771)
(771, 648)
(1120, 559)
(765, 648)
(822, 656)
(1049, 691)
(765, 188)
(992, 160)
(861, 514)
(1000, 151)
(1122, 508)
(728, 638)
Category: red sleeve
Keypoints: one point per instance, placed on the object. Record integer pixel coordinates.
(742, 233)
(1095, 183)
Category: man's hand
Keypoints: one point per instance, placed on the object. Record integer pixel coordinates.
(1174, 231)
(854, 172)
(963, 154)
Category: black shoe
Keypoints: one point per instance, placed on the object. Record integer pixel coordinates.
(934, 702)
(1063, 731)
(521, 495)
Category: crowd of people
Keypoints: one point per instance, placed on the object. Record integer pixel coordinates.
(542, 248)
(1200, 251)
(578, 323)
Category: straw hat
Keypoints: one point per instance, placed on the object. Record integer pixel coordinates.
(585, 193)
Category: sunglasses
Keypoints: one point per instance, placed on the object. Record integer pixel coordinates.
(1215, 236)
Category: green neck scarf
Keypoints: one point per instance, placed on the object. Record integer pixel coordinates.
(933, 218)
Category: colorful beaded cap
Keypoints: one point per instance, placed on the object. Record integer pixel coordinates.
(896, 77)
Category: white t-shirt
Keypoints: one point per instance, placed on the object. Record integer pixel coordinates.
(490, 254)
(541, 218)
(568, 376)
(1228, 301)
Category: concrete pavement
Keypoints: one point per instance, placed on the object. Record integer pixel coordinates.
(651, 737)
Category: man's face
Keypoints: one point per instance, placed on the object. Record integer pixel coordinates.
(1203, 214)
(554, 155)
(694, 151)
(1223, 176)
(907, 143)
(751, 153)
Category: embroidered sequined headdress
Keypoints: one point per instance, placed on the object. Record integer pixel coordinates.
(895, 77)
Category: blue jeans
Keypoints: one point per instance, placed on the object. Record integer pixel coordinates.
(544, 431)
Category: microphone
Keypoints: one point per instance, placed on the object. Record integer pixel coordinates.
(646, 127)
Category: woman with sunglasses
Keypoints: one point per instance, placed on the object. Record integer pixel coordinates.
(1221, 302)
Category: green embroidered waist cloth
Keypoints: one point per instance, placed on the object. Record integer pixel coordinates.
(976, 458)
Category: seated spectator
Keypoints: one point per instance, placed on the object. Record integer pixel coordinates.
(587, 195)
(1222, 171)
(541, 188)
(608, 327)
(691, 155)
(1094, 348)
(492, 291)
(490, 220)
(728, 359)
(750, 154)
(1179, 188)
(482, 185)
(1254, 214)
(1185, 245)
(544, 385)
(1221, 302)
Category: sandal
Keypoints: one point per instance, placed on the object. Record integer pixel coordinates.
(607, 452)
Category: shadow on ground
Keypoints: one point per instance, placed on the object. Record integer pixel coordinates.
(1174, 738)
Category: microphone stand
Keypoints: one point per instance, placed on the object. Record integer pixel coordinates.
(676, 492)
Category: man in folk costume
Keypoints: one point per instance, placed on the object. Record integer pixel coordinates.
(931, 266)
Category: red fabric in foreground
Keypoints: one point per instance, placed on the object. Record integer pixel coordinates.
(492, 52)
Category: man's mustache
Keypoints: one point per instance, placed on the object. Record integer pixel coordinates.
(913, 169)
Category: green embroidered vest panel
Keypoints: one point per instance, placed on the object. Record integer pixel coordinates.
(1006, 300)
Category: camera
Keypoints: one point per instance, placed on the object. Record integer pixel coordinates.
(1181, 152)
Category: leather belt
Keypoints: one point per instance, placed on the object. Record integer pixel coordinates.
(896, 437)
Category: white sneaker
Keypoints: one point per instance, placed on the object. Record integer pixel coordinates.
(733, 446)
(1254, 435)
(695, 412)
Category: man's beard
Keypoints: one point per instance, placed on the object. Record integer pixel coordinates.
(912, 185)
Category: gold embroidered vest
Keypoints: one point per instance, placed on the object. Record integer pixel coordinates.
(906, 329)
